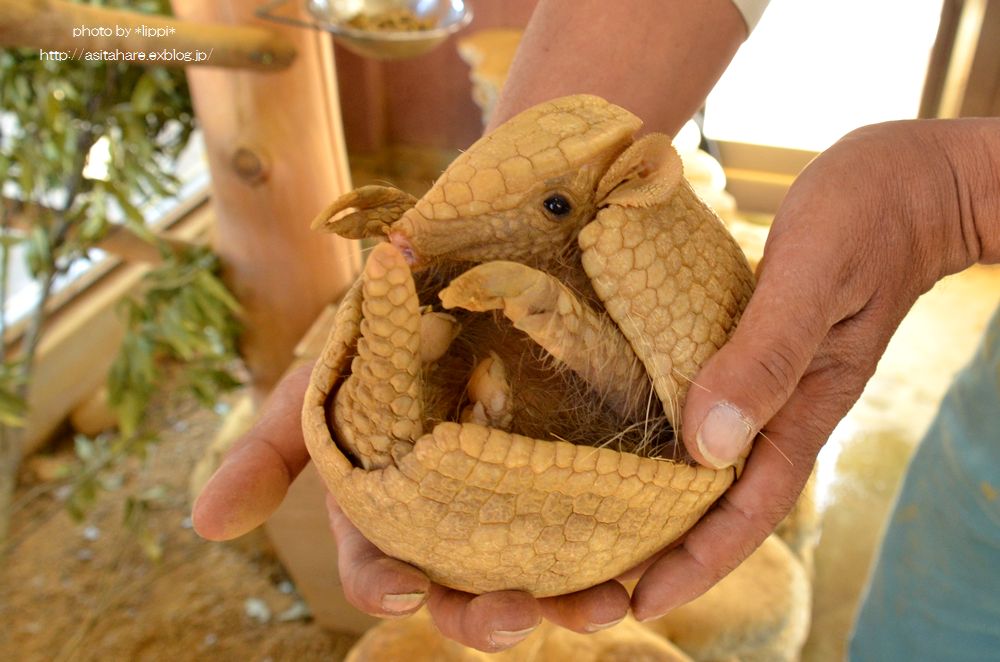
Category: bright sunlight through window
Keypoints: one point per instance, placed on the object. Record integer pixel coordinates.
(814, 70)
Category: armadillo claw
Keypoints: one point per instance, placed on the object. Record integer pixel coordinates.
(490, 401)
(378, 208)
(497, 285)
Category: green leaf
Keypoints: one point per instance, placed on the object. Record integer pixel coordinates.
(82, 497)
(130, 410)
(84, 448)
(11, 238)
(39, 253)
(213, 286)
(151, 545)
(154, 494)
(132, 212)
(11, 378)
(143, 94)
(94, 225)
(112, 482)
(13, 409)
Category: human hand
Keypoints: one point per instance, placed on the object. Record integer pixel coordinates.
(870, 225)
(252, 481)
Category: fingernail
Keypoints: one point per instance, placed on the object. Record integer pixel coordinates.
(723, 435)
(402, 603)
(507, 638)
(597, 627)
(647, 619)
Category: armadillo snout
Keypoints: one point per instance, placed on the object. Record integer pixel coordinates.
(404, 246)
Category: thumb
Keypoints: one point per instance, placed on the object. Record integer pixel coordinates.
(254, 476)
(750, 378)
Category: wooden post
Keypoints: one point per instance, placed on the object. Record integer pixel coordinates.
(276, 154)
(940, 60)
(971, 86)
(80, 31)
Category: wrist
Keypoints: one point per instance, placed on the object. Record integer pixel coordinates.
(940, 181)
(972, 147)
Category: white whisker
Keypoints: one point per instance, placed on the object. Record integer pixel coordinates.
(780, 452)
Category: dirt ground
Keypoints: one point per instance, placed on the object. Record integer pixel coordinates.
(87, 591)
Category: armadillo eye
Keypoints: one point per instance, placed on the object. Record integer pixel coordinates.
(557, 205)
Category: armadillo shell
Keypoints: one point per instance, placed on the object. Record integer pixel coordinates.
(480, 509)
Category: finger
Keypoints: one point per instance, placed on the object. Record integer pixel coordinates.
(736, 525)
(750, 378)
(589, 610)
(636, 571)
(490, 622)
(254, 476)
(373, 582)
(776, 471)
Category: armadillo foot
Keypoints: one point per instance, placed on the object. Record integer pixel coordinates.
(573, 333)
(437, 330)
(490, 401)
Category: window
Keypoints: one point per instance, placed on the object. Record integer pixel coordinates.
(191, 169)
(814, 70)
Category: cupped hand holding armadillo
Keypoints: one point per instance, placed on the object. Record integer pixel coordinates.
(534, 447)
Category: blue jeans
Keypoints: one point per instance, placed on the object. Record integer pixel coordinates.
(935, 590)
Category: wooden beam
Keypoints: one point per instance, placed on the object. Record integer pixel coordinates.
(758, 191)
(276, 154)
(70, 30)
(120, 240)
(129, 246)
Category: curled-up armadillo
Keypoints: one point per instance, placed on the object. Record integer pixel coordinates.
(533, 447)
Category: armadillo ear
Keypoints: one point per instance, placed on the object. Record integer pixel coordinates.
(378, 207)
(645, 174)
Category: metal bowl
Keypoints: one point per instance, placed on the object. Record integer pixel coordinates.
(448, 16)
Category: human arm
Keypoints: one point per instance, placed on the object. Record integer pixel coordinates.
(657, 59)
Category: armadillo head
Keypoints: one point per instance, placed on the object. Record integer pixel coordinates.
(524, 191)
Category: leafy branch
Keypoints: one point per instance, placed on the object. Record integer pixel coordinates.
(83, 147)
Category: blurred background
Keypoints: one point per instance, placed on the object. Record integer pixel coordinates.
(159, 276)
